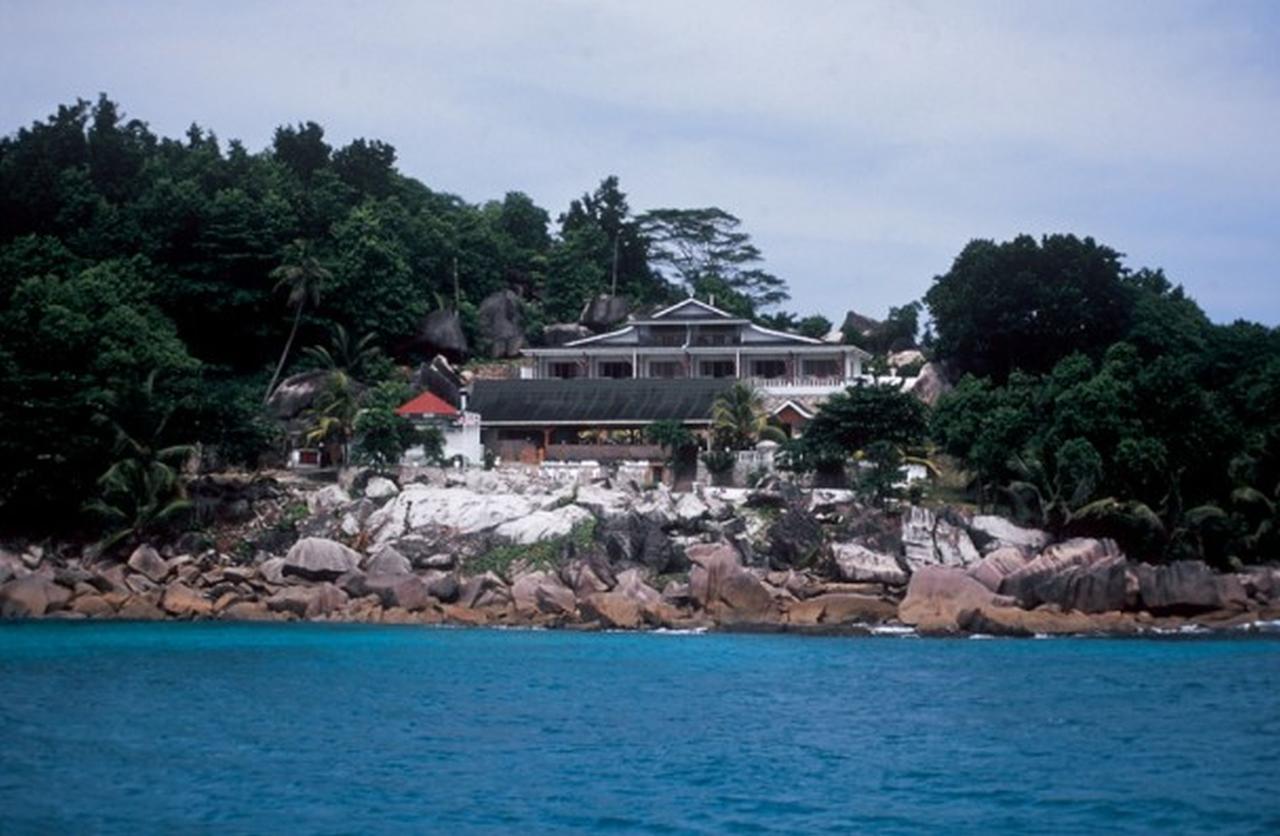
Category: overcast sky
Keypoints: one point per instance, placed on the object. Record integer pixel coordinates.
(861, 144)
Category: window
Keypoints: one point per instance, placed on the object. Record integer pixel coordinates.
(565, 371)
(714, 336)
(666, 368)
(769, 368)
(668, 336)
(616, 369)
(716, 368)
(822, 368)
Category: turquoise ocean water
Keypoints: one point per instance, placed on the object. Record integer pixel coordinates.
(189, 728)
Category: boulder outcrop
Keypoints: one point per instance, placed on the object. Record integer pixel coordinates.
(317, 559)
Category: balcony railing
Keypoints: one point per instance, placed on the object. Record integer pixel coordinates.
(602, 452)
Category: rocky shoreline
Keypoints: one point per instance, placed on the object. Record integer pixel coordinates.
(486, 548)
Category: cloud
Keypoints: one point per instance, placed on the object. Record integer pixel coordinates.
(862, 144)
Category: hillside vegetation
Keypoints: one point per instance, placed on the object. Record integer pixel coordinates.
(153, 291)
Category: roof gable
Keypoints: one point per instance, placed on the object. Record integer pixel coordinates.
(427, 404)
(692, 308)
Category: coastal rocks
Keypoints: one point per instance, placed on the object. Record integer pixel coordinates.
(1043, 621)
(31, 596)
(460, 510)
(543, 593)
(840, 608)
(407, 592)
(1079, 574)
(991, 533)
(317, 559)
(931, 384)
(929, 539)
(937, 595)
(148, 562)
(856, 563)
(328, 498)
(612, 609)
(996, 566)
(380, 488)
(303, 601)
(388, 561)
(638, 538)
(181, 601)
(1186, 587)
(543, 525)
(795, 539)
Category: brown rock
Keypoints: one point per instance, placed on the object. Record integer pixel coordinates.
(94, 606)
(147, 561)
(459, 614)
(612, 610)
(937, 595)
(31, 597)
(747, 599)
(998, 565)
(1079, 574)
(1185, 587)
(139, 608)
(1013, 621)
(308, 601)
(407, 592)
(248, 611)
(841, 608)
(182, 601)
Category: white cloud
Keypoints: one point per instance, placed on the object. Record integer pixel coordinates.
(854, 139)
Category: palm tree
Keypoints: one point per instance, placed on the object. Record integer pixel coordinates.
(142, 491)
(304, 276)
(739, 418)
(345, 354)
(333, 417)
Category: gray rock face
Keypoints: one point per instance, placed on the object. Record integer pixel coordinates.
(855, 563)
(1186, 587)
(996, 566)
(1080, 574)
(931, 384)
(146, 561)
(297, 393)
(931, 540)
(604, 311)
(639, 538)
(564, 332)
(380, 488)
(388, 561)
(316, 559)
(499, 323)
(795, 539)
(404, 591)
(440, 332)
(991, 533)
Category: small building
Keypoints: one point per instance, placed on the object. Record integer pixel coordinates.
(459, 428)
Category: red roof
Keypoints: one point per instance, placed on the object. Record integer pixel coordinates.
(427, 404)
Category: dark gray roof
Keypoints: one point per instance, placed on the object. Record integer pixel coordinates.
(588, 401)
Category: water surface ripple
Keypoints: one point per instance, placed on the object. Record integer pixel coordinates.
(135, 728)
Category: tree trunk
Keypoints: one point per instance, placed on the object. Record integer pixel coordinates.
(293, 332)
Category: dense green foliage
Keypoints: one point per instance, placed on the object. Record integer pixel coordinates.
(854, 421)
(1103, 401)
(123, 253)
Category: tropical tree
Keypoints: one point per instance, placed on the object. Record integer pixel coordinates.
(354, 357)
(739, 419)
(304, 277)
(704, 250)
(672, 436)
(332, 419)
(141, 493)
